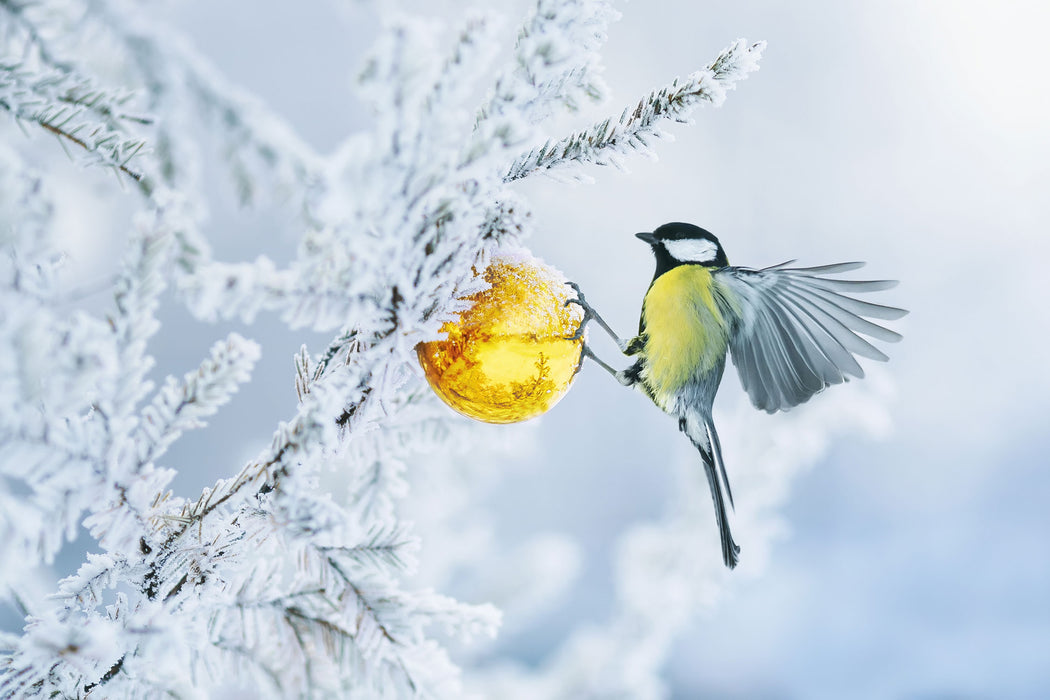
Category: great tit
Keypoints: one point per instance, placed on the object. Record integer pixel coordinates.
(791, 332)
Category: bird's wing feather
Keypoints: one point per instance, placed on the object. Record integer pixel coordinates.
(796, 332)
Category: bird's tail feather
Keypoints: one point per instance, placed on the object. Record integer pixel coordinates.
(716, 451)
(701, 431)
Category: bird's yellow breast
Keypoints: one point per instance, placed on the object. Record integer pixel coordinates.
(686, 334)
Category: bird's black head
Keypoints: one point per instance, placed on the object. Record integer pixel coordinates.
(677, 244)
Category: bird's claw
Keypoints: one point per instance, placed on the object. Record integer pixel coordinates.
(579, 365)
(579, 329)
(588, 313)
(585, 352)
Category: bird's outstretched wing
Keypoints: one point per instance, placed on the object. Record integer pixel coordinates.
(795, 332)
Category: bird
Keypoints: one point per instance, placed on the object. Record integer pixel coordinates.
(791, 332)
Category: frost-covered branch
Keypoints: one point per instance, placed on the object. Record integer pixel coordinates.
(46, 400)
(556, 63)
(609, 140)
(175, 75)
(75, 110)
(267, 579)
(182, 405)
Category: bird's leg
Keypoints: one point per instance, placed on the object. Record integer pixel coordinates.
(617, 375)
(590, 314)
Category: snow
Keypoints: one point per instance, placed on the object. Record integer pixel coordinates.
(266, 580)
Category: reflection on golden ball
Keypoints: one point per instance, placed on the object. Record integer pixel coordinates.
(507, 358)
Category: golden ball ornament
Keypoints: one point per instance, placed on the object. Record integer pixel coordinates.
(507, 358)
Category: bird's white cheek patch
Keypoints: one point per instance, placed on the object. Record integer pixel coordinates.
(697, 250)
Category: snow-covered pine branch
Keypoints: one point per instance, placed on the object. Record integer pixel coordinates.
(556, 63)
(266, 581)
(258, 144)
(609, 140)
(42, 453)
(182, 405)
(88, 120)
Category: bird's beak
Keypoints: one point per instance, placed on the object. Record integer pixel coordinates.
(647, 237)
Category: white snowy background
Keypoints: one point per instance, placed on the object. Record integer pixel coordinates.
(910, 559)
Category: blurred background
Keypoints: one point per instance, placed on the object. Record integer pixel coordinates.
(908, 557)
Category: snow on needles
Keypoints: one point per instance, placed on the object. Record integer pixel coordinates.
(265, 580)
